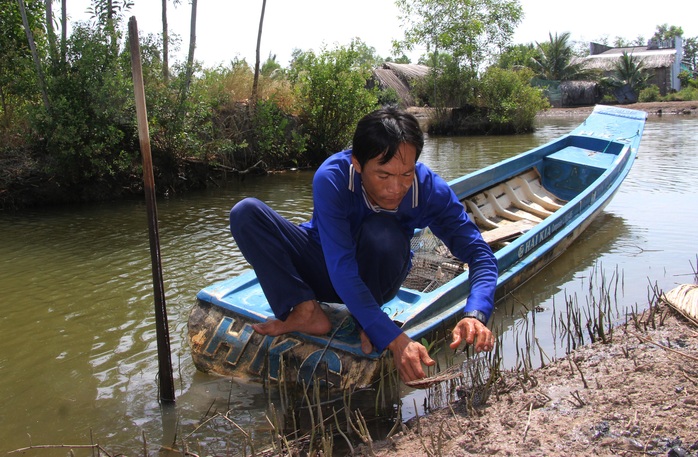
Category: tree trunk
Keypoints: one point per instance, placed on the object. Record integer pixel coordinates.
(192, 47)
(64, 30)
(253, 98)
(51, 35)
(111, 28)
(35, 55)
(165, 44)
(2, 102)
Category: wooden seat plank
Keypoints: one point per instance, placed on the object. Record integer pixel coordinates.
(508, 231)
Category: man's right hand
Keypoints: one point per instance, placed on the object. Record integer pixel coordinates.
(409, 356)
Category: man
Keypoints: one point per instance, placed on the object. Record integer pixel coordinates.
(356, 248)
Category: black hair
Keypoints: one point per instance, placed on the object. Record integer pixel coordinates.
(381, 133)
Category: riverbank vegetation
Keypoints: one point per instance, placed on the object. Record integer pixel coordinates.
(68, 128)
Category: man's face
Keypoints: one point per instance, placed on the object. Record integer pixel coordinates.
(387, 184)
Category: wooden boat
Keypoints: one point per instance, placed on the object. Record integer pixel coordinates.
(530, 208)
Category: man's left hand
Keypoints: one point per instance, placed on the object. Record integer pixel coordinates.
(471, 330)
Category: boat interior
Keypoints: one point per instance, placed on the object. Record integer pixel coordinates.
(502, 212)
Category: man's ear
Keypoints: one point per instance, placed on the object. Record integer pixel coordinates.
(355, 162)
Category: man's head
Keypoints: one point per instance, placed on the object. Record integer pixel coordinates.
(387, 144)
(381, 132)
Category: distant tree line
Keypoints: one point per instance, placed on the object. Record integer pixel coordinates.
(67, 117)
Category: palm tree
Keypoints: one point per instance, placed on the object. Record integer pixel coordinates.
(629, 77)
(554, 60)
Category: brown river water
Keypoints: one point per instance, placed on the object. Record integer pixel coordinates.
(78, 355)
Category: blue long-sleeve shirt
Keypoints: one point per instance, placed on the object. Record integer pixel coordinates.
(340, 206)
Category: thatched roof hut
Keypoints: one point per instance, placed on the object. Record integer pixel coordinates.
(651, 60)
(579, 93)
(662, 58)
(399, 77)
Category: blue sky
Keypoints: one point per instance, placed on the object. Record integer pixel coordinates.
(228, 29)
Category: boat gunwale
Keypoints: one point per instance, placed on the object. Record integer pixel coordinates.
(414, 326)
(456, 284)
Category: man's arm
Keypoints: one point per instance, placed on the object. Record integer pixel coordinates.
(460, 234)
(451, 224)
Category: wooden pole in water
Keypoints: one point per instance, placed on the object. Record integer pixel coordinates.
(162, 332)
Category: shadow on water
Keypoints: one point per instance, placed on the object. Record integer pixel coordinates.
(540, 303)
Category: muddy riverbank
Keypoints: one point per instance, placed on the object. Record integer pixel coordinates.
(652, 108)
(636, 395)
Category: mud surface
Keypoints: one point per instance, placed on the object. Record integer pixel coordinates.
(637, 395)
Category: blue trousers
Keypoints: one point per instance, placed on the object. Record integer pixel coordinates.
(290, 264)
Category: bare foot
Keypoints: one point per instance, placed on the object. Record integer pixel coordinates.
(307, 317)
(366, 345)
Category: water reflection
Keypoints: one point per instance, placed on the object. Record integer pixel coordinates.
(78, 358)
(543, 297)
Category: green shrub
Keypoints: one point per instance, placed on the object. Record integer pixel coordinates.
(240, 136)
(691, 93)
(388, 97)
(450, 86)
(685, 94)
(89, 132)
(649, 94)
(332, 96)
(608, 99)
(510, 100)
(275, 138)
(684, 78)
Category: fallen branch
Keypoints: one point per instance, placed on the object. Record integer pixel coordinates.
(528, 422)
(99, 448)
(586, 386)
(649, 340)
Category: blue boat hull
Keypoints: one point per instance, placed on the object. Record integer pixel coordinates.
(530, 208)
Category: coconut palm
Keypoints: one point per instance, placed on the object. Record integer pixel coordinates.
(554, 60)
(629, 77)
